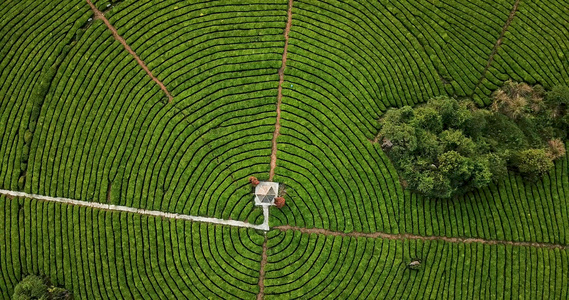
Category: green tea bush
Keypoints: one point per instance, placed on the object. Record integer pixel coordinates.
(347, 63)
(334, 267)
(33, 36)
(533, 49)
(457, 36)
(108, 255)
(104, 132)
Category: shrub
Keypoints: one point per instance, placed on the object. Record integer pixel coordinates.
(401, 137)
(35, 287)
(454, 140)
(455, 166)
(432, 184)
(482, 174)
(558, 96)
(447, 109)
(429, 119)
(512, 99)
(254, 181)
(557, 102)
(503, 134)
(31, 287)
(429, 145)
(534, 163)
(497, 166)
(280, 202)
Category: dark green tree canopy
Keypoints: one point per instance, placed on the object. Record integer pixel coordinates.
(34, 287)
(448, 147)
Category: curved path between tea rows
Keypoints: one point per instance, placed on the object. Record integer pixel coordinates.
(265, 225)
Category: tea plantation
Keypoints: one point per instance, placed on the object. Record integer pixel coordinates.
(171, 106)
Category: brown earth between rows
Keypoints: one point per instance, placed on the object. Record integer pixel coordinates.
(498, 43)
(408, 236)
(100, 16)
(280, 94)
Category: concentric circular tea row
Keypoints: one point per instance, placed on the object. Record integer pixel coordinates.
(534, 47)
(338, 178)
(108, 255)
(107, 133)
(321, 267)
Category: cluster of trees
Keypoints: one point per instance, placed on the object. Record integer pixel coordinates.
(448, 147)
(35, 287)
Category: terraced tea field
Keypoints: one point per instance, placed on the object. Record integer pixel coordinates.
(129, 130)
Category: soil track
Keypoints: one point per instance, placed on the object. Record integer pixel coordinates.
(280, 94)
(99, 15)
(261, 294)
(498, 42)
(407, 236)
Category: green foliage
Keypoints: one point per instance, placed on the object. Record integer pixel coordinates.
(559, 96)
(163, 258)
(497, 165)
(454, 166)
(94, 119)
(533, 163)
(502, 134)
(34, 287)
(333, 267)
(429, 119)
(104, 123)
(31, 287)
(448, 110)
(558, 109)
(455, 140)
(32, 37)
(447, 147)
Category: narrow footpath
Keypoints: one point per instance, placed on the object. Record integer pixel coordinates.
(100, 16)
(408, 236)
(261, 294)
(141, 211)
(280, 94)
(498, 42)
